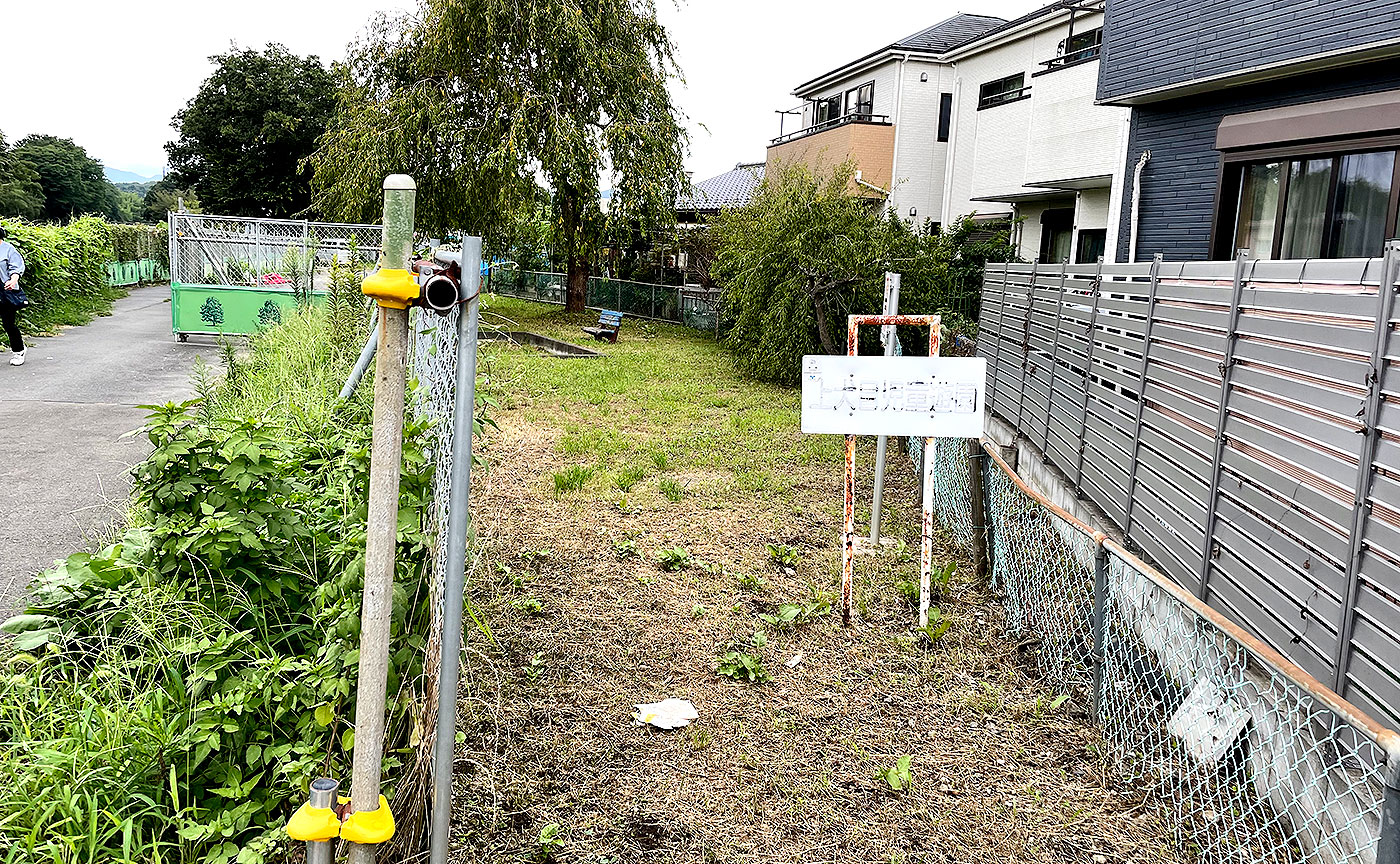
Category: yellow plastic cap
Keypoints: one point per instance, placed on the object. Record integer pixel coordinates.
(369, 826)
(314, 823)
(391, 288)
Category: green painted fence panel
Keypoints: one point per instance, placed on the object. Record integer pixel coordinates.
(230, 310)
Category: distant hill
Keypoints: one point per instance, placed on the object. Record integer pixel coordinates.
(137, 188)
(117, 175)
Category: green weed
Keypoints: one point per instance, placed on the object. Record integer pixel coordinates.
(571, 479)
(673, 559)
(673, 491)
(629, 477)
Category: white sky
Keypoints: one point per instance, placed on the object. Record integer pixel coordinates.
(110, 75)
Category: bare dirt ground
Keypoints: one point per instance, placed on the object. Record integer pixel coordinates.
(579, 622)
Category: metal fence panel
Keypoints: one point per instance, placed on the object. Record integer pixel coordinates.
(1300, 495)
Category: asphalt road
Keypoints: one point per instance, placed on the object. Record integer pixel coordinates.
(63, 459)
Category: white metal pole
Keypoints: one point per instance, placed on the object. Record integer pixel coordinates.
(380, 539)
(887, 336)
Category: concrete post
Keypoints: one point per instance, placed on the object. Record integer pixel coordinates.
(380, 540)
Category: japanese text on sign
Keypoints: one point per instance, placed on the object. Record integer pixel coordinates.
(926, 397)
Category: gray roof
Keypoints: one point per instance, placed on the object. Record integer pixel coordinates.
(947, 34)
(731, 189)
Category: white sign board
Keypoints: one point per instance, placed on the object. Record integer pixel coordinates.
(922, 397)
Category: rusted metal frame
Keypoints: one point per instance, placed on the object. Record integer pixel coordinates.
(1222, 414)
(1026, 343)
(1054, 360)
(1365, 467)
(848, 533)
(1000, 331)
(1096, 289)
(1154, 276)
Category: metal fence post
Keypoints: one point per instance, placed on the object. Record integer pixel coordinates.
(1088, 373)
(1026, 342)
(1000, 335)
(980, 557)
(1054, 359)
(1099, 622)
(1222, 414)
(454, 573)
(1153, 277)
(887, 336)
(1365, 463)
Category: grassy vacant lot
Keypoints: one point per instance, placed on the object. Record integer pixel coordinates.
(640, 513)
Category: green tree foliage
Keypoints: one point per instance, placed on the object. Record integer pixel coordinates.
(244, 134)
(72, 181)
(165, 196)
(476, 98)
(805, 253)
(20, 191)
(65, 274)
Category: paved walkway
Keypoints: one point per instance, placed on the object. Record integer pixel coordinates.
(63, 460)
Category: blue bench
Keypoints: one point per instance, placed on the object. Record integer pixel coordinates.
(608, 325)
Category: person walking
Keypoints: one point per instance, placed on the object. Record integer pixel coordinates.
(11, 298)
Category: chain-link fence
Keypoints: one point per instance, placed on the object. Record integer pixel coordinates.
(690, 305)
(1249, 758)
(236, 251)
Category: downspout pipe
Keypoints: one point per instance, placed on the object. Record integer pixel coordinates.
(1137, 197)
(898, 118)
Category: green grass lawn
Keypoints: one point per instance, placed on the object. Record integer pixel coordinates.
(651, 525)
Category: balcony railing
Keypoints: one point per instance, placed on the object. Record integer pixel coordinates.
(1073, 58)
(870, 119)
(994, 99)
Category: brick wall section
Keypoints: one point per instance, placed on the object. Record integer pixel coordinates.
(1178, 184)
(1159, 43)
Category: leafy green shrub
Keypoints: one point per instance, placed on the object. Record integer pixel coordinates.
(805, 253)
(170, 698)
(65, 275)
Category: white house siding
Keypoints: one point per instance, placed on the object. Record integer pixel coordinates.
(1058, 134)
(921, 158)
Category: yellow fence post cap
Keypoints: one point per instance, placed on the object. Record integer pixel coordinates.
(394, 289)
(314, 824)
(369, 826)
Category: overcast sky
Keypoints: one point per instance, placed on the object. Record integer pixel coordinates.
(110, 75)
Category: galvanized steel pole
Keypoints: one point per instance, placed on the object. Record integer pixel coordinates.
(458, 518)
(888, 335)
(380, 537)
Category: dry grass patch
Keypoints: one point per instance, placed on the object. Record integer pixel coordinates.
(603, 598)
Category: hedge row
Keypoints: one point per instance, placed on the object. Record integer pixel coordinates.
(66, 274)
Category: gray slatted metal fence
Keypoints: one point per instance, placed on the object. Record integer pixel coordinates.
(1238, 421)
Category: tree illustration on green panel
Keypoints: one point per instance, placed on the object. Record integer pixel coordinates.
(212, 312)
(270, 314)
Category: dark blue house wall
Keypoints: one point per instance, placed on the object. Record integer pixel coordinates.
(1179, 183)
(1149, 44)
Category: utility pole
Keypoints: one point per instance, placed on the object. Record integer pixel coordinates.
(380, 540)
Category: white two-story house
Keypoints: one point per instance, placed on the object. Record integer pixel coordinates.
(1027, 140)
(891, 113)
(979, 115)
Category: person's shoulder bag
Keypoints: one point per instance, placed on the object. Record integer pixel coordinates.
(13, 298)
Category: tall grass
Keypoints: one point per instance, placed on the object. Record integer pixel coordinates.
(168, 698)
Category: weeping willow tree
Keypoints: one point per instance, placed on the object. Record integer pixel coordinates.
(481, 99)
